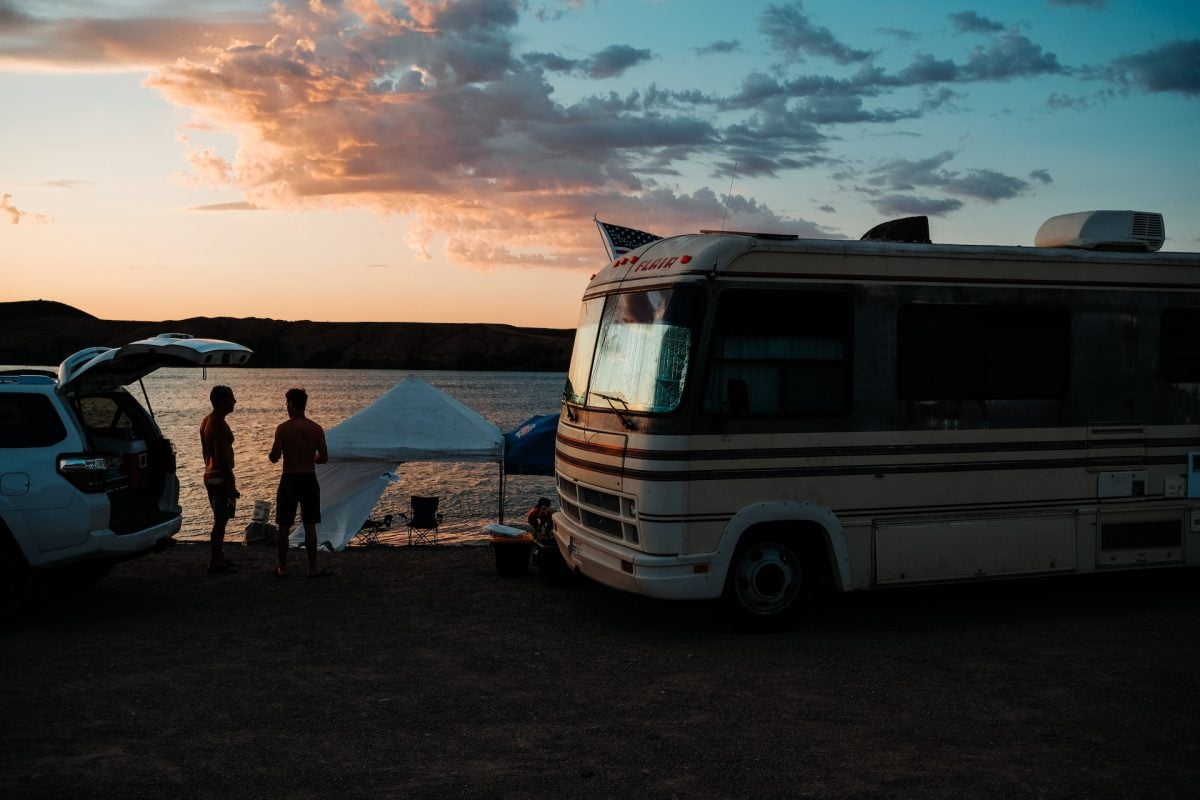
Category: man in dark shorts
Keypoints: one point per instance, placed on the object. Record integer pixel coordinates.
(301, 443)
(216, 443)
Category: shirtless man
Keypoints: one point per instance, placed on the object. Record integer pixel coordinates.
(301, 443)
(216, 443)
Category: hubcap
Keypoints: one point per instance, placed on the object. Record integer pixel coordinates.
(767, 578)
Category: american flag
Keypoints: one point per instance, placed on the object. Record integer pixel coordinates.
(618, 240)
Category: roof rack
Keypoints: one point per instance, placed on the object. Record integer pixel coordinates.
(775, 236)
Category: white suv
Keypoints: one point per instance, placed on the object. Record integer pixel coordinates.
(86, 477)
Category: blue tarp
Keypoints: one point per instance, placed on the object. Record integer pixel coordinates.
(529, 449)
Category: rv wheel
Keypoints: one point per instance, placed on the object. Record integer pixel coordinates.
(766, 584)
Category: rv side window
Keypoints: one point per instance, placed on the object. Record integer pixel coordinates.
(780, 353)
(1179, 345)
(964, 352)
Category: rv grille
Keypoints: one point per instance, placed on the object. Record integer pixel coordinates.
(604, 500)
(1148, 228)
(605, 525)
(603, 513)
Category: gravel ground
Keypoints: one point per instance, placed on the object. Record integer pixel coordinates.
(420, 673)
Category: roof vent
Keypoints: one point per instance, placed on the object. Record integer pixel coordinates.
(906, 229)
(1103, 230)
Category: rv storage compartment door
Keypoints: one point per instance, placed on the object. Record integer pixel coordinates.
(934, 551)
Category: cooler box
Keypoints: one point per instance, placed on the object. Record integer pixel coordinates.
(512, 547)
(132, 453)
(262, 511)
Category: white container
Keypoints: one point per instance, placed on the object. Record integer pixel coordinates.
(506, 531)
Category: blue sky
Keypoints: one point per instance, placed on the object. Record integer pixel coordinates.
(442, 160)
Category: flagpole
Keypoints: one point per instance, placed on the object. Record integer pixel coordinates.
(608, 246)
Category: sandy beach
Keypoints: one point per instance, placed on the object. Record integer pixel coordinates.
(420, 673)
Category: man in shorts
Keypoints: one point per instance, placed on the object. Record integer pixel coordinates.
(301, 443)
(216, 443)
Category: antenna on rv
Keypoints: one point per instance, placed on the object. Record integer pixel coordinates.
(725, 211)
(724, 216)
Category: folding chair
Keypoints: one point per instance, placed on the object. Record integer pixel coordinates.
(423, 520)
(368, 534)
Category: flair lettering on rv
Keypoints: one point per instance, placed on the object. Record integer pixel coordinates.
(660, 263)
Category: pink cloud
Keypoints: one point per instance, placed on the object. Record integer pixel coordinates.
(85, 44)
(421, 108)
(16, 215)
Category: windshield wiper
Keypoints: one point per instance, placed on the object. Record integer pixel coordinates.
(629, 426)
(568, 397)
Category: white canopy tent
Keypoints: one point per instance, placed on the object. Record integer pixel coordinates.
(412, 421)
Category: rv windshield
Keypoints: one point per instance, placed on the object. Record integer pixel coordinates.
(642, 343)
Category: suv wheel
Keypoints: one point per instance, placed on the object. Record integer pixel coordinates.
(14, 577)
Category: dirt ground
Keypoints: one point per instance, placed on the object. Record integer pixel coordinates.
(420, 673)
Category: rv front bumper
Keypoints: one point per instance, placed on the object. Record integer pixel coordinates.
(671, 577)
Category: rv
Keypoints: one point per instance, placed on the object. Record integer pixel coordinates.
(758, 416)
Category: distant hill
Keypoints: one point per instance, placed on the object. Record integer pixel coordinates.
(41, 332)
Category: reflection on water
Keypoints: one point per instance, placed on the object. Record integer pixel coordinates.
(469, 492)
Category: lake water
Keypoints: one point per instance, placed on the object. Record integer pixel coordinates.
(469, 492)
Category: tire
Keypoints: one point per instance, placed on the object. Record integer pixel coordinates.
(14, 578)
(89, 573)
(767, 585)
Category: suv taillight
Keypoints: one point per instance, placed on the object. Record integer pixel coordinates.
(89, 472)
(168, 451)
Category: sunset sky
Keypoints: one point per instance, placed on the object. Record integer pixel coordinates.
(441, 160)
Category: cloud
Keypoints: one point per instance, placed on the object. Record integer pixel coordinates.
(1173, 67)
(427, 108)
(719, 47)
(1059, 102)
(64, 184)
(1041, 175)
(986, 185)
(903, 205)
(900, 35)
(235, 206)
(611, 62)
(1096, 4)
(80, 43)
(436, 117)
(16, 215)
(970, 22)
(1011, 55)
(208, 167)
(552, 62)
(789, 31)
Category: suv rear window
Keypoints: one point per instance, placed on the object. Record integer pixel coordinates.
(29, 420)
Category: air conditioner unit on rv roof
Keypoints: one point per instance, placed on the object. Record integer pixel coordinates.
(1103, 230)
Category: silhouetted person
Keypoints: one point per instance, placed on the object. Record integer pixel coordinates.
(216, 443)
(301, 443)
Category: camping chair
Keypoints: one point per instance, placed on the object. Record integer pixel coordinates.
(423, 520)
(368, 534)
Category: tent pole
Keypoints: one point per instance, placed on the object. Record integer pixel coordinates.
(501, 512)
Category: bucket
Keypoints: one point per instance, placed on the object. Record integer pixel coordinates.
(550, 564)
(262, 511)
(512, 547)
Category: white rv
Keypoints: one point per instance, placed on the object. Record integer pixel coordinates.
(757, 416)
